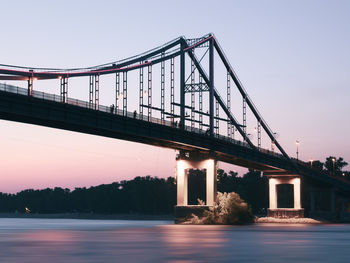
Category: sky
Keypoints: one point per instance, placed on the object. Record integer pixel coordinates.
(292, 57)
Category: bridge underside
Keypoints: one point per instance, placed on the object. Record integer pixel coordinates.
(32, 110)
(53, 114)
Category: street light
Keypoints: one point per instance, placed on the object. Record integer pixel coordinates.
(311, 162)
(273, 142)
(120, 96)
(333, 160)
(297, 142)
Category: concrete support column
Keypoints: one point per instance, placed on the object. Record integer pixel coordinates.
(181, 183)
(273, 182)
(182, 167)
(211, 182)
(280, 212)
(272, 193)
(296, 184)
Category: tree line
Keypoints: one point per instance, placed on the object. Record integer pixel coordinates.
(334, 166)
(148, 195)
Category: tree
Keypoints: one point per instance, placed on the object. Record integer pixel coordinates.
(255, 190)
(334, 166)
(227, 182)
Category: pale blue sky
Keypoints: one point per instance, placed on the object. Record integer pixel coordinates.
(293, 58)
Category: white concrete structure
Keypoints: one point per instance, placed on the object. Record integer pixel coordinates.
(182, 167)
(285, 179)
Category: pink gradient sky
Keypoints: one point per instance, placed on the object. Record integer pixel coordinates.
(292, 57)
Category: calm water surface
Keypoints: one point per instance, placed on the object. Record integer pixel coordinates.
(72, 240)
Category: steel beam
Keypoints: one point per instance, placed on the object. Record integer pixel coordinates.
(182, 86)
(125, 92)
(193, 98)
(228, 103)
(117, 91)
(244, 94)
(149, 93)
(245, 117)
(141, 92)
(97, 92)
(259, 135)
(91, 90)
(172, 86)
(200, 103)
(211, 87)
(64, 89)
(219, 99)
(162, 88)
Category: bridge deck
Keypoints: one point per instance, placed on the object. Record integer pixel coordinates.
(47, 110)
(77, 115)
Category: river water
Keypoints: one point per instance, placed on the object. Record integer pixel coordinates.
(74, 240)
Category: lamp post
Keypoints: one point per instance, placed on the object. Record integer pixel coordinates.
(273, 142)
(311, 162)
(333, 161)
(297, 142)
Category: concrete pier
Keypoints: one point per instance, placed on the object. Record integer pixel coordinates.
(184, 163)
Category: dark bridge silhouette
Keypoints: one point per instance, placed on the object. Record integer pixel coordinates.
(209, 133)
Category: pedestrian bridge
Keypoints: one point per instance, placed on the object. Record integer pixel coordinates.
(199, 136)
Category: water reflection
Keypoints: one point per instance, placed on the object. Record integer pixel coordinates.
(195, 243)
(57, 240)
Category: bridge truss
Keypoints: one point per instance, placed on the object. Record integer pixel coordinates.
(184, 72)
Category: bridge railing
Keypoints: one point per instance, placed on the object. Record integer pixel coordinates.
(112, 110)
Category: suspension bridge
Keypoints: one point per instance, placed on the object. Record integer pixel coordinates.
(179, 101)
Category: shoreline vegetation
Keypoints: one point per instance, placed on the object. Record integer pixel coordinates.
(145, 217)
(150, 198)
(303, 220)
(229, 209)
(141, 195)
(162, 217)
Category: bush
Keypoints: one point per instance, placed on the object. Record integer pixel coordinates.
(229, 209)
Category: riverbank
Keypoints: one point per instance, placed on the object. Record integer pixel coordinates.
(288, 220)
(90, 216)
(167, 217)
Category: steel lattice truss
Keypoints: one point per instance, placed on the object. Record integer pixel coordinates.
(199, 83)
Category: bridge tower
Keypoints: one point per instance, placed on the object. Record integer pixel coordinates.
(276, 207)
(186, 161)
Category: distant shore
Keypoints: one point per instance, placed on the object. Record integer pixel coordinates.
(90, 216)
(135, 216)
